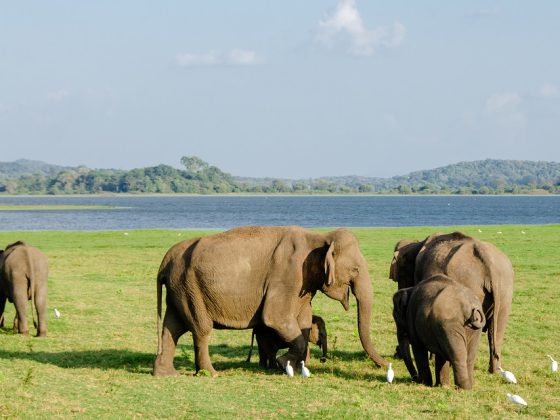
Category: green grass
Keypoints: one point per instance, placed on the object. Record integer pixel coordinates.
(97, 358)
(43, 207)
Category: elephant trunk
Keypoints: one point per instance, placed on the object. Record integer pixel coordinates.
(324, 347)
(364, 297)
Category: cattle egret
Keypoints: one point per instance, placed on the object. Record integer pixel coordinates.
(304, 371)
(516, 399)
(390, 374)
(499, 232)
(523, 232)
(289, 370)
(479, 231)
(553, 364)
(508, 376)
(56, 313)
(126, 233)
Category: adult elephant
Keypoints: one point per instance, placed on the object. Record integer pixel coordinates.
(252, 276)
(476, 264)
(444, 317)
(269, 342)
(23, 277)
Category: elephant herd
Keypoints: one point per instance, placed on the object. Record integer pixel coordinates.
(451, 287)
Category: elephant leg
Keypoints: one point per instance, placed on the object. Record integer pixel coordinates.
(495, 341)
(21, 302)
(3, 299)
(442, 371)
(201, 340)
(41, 309)
(423, 365)
(276, 315)
(173, 329)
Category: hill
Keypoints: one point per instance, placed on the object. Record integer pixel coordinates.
(477, 177)
(23, 167)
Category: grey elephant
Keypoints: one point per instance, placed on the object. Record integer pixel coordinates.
(23, 277)
(253, 276)
(269, 342)
(440, 316)
(476, 264)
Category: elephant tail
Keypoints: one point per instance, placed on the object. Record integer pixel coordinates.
(31, 291)
(251, 348)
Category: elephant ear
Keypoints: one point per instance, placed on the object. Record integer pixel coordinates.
(400, 306)
(329, 265)
(394, 270)
(477, 319)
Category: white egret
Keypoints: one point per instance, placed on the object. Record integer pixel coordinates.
(553, 364)
(56, 313)
(516, 399)
(508, 376)
(304, 371)
(390, 374)
(289, 370)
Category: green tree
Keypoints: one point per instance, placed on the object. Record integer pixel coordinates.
(194, 164)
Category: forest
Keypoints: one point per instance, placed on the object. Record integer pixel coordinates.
(199, 177)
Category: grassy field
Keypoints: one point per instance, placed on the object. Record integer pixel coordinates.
(97, 358)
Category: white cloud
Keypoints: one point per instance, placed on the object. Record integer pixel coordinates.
(549, 91)
(502, 102)
(241, 57)
(346, 25)
(234, 57)
(58, 96)
(504, 109)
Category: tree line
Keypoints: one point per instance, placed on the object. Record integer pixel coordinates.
(199, 177)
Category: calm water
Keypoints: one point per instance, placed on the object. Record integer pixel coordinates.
(219, 212)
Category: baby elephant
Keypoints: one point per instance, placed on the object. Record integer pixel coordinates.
(441, 316)
(269, 342)
(23, 277)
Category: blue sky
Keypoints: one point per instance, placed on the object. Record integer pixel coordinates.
(292, 89)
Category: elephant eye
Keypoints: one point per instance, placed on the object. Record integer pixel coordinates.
(355, 270)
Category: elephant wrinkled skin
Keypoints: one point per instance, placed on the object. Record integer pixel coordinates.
(252, 276)
(23, 277)
(441, 316)
(475, 264)
(269, 342)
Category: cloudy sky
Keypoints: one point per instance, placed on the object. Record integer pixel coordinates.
(290, 88)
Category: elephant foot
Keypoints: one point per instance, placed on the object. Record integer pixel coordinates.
(41, 334)
(164, 370)
(205, 372)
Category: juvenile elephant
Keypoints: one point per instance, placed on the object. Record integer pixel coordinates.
(253, 276)
(23, 277)
(269, 342)
(441, 316)
(478, 265)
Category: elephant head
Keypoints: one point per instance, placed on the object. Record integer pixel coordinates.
(400, 307)
(404, 262)
(345, 269)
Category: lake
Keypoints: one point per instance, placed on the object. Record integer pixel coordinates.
(221, 212)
